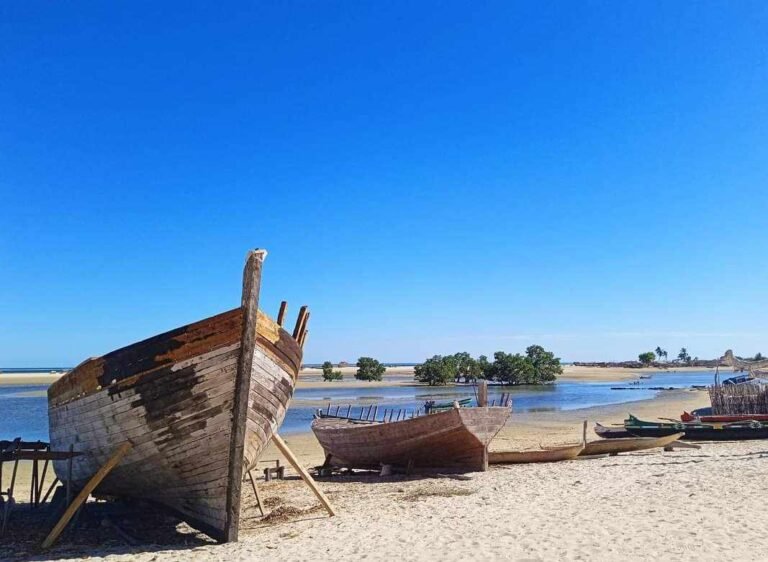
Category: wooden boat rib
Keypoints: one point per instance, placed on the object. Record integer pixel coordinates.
(627, 444)
(554, 454)
(198, 404)
(457, 439)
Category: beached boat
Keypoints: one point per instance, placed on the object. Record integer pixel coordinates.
(549, 454)
(198, 404)
(453, 439)
(627, 444)
(617, 432)
(693, 417)
(736, 431)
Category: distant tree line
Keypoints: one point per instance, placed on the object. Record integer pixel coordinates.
(537, 366)
(649, 357)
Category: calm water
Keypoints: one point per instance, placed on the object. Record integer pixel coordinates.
(23, 409)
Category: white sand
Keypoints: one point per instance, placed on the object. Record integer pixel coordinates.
(703, 504)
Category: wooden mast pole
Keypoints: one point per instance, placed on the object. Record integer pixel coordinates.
(482, 393)
(288, 454)
(250, 306)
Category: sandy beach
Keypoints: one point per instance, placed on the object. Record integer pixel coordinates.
(640, 505)
(646, 504)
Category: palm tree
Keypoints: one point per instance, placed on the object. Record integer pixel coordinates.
(683, 355)
(659, 351)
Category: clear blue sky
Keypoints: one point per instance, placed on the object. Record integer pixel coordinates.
(429, 178)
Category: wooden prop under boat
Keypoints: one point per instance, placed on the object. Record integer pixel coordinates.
(552, 454)
(198, 404)
(627, 444)
(737, 431)
(453, 439)
(611, 432)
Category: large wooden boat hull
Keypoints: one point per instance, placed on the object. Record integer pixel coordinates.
(627, 444)
(198, 404)
(555, 454)
(454, 439)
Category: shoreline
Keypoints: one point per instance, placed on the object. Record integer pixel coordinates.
(398, 376)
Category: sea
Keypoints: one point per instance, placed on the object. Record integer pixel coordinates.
(23, 409)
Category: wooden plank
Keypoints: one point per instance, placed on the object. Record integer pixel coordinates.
(281, 313)
(482, 393)
(250, 305)
(256, 493)
(288, 454)
(116, 457)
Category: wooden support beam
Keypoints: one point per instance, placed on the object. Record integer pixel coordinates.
(69, 473)
(256, 493)
(281, 313)
(95, 480)
(288, 454)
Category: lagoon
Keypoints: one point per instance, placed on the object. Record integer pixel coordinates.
(24, 408)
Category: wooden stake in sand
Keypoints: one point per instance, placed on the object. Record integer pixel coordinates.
(482, 393)
(288, 454)
(95, 480)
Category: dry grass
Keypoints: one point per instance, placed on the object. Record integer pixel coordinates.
(284, 513)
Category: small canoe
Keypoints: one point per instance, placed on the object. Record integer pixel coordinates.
(618, 432)
(554, 454)
(627, 444)
(454, 439)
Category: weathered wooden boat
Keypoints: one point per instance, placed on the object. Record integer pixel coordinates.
(605, 432)
(627, 444)
(737, 431)
(549, 454)
(452, 439)
(198, 404)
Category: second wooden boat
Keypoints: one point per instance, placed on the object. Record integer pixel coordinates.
(197, 404)
(452, 439)
(553, 454)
